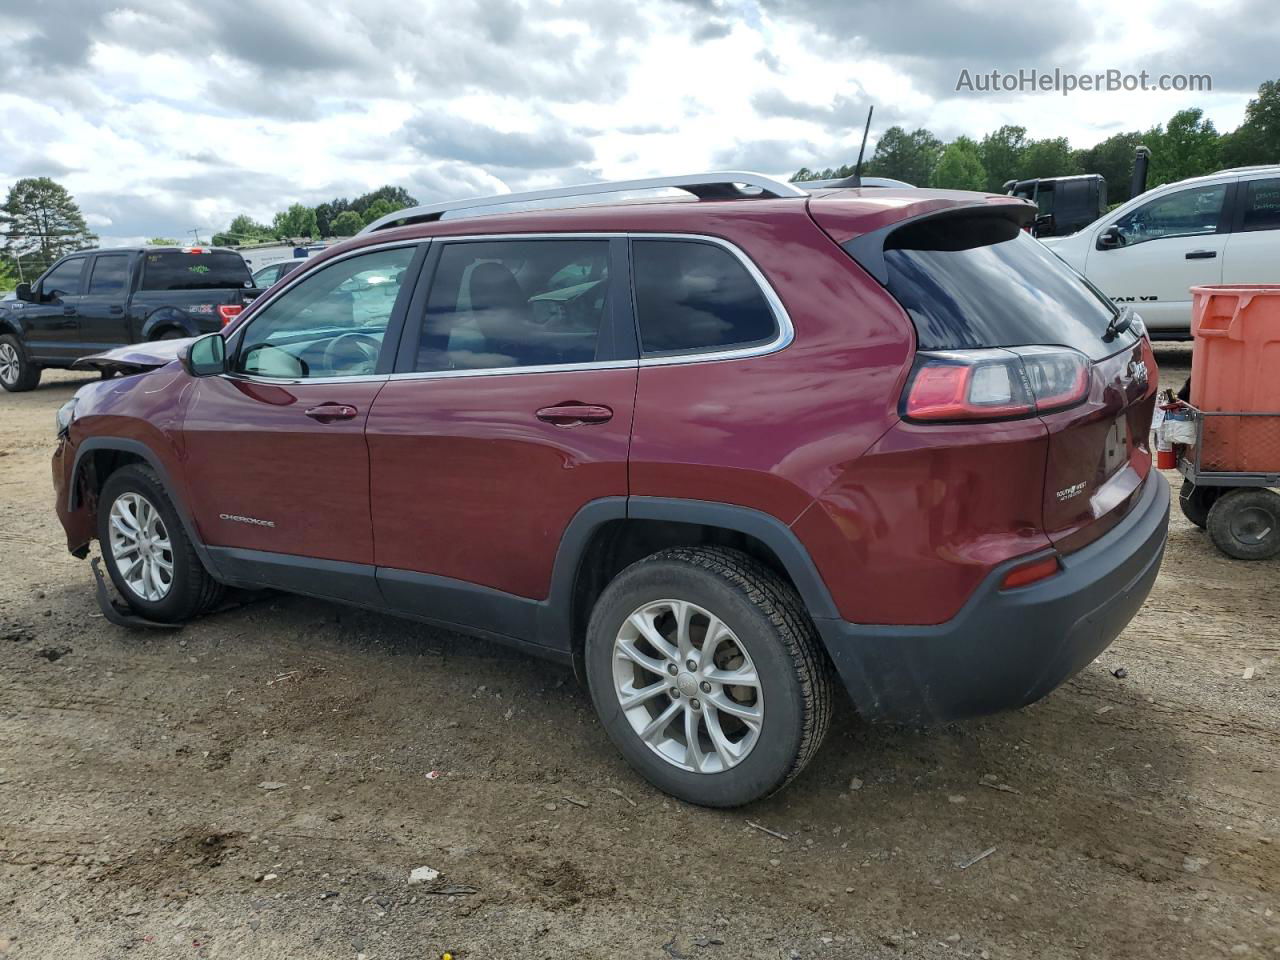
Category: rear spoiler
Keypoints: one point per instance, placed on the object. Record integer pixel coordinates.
(941, 230)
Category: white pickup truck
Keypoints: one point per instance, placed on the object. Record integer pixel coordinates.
(1149, 252)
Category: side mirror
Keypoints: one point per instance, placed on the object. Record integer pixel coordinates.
(206, 357)
(24, 292)
(1110, 238)
(1043, 225)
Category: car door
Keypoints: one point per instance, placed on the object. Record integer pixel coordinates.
(1253, 246)
(1169, 244)
(276, 460)
(50, 320)
(510, 410)
(102, 320)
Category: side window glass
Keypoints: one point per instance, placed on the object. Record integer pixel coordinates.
(1187, 213)
(693, 296)
(64, 281)
(331, 324)
(1262, 205)
(109, 276)
(515, 303)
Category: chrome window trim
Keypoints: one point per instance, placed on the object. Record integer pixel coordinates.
(785, 329)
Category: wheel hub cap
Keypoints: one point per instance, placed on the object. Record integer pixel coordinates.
(8, 363)
(687, 686)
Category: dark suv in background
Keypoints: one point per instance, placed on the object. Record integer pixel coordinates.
(93, 300)
(716, 452)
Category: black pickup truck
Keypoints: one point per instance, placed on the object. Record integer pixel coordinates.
(93, 300)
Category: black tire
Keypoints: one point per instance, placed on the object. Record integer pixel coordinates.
(769, 622)
(1245, 523)
(191, 590)
(18, 373)
(1196, 502)
(173, 334)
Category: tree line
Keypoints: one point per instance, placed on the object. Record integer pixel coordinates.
(1187, 146)
(339, 217)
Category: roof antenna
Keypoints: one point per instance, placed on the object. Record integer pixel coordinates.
(856, 179)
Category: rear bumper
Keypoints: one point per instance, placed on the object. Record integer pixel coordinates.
(1007, 648)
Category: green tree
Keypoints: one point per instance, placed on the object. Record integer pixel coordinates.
(1113, 159)
(378, 209)
(8, 276)
(1051, 157)
(1001, 156)
(1188, 146)
(162, 242)
(397, 197)
(42, 222)
(906, 156)
(1257, 140)
(326, 213)
(243, 229)
(346, 224)
(297, 221)
(960, 167)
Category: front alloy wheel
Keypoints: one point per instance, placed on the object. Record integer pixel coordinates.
(687, 686)
(140, 547)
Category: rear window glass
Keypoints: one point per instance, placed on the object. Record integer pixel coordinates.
(1262, 205)
(194, 271)
(983, 282)
(693, 296)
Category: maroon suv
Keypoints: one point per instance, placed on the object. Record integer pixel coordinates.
(714, 451)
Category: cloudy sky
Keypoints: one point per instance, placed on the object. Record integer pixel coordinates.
(164, 115)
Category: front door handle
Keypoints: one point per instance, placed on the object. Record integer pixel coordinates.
(68, 311)
(116, 311)
(573, 414)
(331, 412)
(1202, 254)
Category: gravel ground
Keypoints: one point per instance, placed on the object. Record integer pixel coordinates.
(261, 784)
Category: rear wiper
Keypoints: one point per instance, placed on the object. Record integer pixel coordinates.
(1119, 323)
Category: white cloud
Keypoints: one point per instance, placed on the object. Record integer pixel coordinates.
(167, 115)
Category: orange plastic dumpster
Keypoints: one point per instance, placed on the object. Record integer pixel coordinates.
(1235, 367)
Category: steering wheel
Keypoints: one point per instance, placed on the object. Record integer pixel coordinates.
(352, 353)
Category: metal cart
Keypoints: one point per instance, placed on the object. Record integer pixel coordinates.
(1227, 473)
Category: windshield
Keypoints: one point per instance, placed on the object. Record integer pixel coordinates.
(984, 283)
(214, 270)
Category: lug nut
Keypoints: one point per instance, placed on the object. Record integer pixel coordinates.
(706, 687)
(675, 694)
(692, 665)
(696, 705)
(672, 669)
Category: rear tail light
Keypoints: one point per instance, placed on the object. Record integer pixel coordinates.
(229, 311)
(1033, 572)
(995, 384)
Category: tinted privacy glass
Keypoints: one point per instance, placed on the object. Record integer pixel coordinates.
(110, 275)
(330, 324)
(194, 271)
(1262, 205)
(693, 296)
(1185, 213)
(985, 283)
(64, 279)
(515, 303)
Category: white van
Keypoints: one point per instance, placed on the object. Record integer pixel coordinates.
(1149, 252)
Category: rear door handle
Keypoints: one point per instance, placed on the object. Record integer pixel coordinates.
(116, 311)
(573, 414)
(331, 412)
(68, 311)
(1202, 254)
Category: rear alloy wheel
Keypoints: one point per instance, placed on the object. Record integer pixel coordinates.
(17, 372)
(147, 552)
(708, 675)
(1245, 523)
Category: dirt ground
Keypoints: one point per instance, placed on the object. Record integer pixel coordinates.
(261, 783)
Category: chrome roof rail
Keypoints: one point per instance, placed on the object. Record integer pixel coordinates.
(720, 185)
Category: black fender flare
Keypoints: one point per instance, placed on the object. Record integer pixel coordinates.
(163, 317)
(145, 453)
(554, 626)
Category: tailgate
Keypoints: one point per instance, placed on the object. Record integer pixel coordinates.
(1099, 453)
